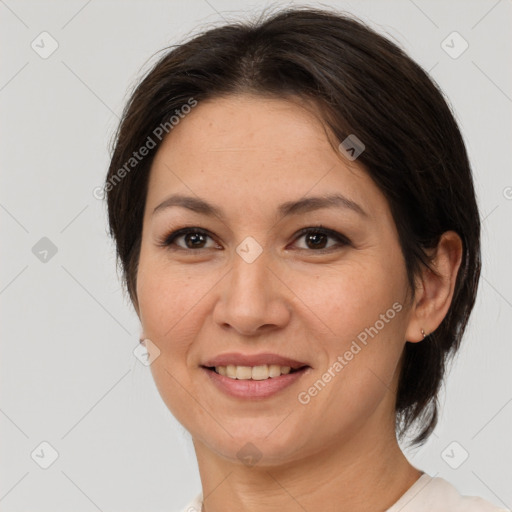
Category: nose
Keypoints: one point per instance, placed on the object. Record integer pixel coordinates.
(252, 299)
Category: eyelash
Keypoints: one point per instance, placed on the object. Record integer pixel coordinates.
(168, 240)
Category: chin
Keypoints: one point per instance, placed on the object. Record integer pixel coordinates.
(263, 446)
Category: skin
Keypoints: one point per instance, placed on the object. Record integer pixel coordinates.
(246, 155)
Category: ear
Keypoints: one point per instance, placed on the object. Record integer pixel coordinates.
(434, 290)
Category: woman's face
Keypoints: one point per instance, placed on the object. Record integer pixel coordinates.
(246, 285)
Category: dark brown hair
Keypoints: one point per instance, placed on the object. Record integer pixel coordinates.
(363, 84)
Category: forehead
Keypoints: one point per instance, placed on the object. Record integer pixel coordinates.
(262, 118)
(255, 147)
(225, 128)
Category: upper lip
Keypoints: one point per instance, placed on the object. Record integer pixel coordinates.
(238, 359)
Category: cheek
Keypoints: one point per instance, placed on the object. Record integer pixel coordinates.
(167, 306)
(352, 297)
(170, 297)
(362, 306)
(170, 306)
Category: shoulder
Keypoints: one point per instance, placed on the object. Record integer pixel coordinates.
(431, 493)
(446, 491)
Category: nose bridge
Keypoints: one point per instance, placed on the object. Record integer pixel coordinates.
(250, 298)
(249, 283)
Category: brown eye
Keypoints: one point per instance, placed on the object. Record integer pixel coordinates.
(317, 239)
(195, 240)
(188, 239)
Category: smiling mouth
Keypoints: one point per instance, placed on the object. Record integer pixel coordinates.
(260, 372)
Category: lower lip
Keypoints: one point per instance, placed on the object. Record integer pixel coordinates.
(254, 388)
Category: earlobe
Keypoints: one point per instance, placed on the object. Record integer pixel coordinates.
(434, 292)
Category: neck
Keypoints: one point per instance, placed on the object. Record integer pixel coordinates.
(357, 474)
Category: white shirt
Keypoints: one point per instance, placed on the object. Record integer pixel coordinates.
(427, 494)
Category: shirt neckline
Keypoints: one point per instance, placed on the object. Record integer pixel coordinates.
(409, 494)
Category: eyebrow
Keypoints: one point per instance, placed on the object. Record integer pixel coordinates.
(304, 205)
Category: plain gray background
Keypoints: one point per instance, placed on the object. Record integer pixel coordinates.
(69, 377)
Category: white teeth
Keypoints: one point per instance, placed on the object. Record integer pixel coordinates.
(260, 372)
(243, 372)
(274, 370)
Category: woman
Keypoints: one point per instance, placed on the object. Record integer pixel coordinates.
(295, 218)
